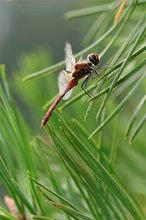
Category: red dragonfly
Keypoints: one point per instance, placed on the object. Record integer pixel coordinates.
(69, 78)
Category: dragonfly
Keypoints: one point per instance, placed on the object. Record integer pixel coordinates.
(68, 79)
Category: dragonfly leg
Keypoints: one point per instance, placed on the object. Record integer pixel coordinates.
(93, 75)
(84, 86)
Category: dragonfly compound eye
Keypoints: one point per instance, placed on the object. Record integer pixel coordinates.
(93, 58)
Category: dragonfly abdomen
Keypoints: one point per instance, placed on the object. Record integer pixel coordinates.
(69, 86)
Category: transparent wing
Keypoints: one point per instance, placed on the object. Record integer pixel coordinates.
(63, 79)
(80, 59)
(70, 60)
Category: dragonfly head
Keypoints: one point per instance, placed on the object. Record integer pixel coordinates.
(93, 58)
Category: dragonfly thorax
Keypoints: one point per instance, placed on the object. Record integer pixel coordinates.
(81, 70)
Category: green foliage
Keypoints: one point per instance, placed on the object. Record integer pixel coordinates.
(82, 167)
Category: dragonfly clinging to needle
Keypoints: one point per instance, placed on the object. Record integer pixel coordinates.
(69, 78)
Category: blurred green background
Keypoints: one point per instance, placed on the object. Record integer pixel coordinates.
(27, 25)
